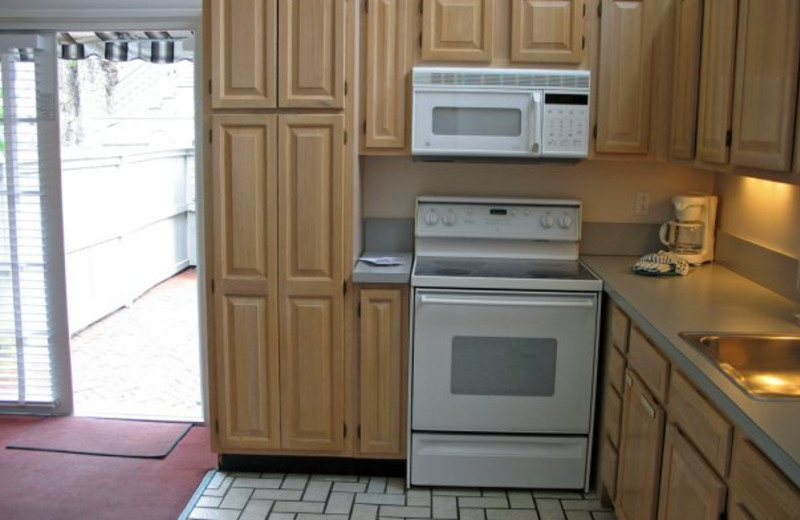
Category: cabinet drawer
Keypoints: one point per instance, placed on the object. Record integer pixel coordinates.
(612, 411)
(619, 326)
(701, 422)
(758, 489)
(615, 369)
(608, 467)
(651, 366)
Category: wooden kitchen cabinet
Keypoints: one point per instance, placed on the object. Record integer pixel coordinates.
(383, 371)
(748, 83)
(546, 31)
(686, 63)
(259, 61)
(246, 293)
(458, 30)
(625, 73)
(642, 437)
(387, 52)
(311, 53)
(758, 491)
(689, 487)
(311, 226)
(765, 84)
(716, 80)
(243, 53)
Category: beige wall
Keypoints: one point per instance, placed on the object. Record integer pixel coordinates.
(607, 188)
(763, 212)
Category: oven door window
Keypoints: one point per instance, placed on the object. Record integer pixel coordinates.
(503, 366)
(497, 361)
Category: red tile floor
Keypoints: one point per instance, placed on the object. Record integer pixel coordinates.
(142, 361)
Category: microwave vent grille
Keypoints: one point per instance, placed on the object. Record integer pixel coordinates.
(525, 79)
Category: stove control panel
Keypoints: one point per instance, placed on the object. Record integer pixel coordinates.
(524, 219)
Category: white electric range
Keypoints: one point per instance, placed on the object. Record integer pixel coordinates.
(505, 323)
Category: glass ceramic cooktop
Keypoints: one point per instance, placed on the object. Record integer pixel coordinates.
(501, 268)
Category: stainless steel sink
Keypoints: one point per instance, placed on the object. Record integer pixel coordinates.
(765, 366)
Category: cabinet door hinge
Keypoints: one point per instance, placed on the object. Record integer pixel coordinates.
(345, 137)
(212, 285)
(358, 313)
(344, 288)
(420, 40)
(364, 127)
(600, 9)
(209, 87)
(366, 6)
(594, 131)
(345, 89)
(421, 5)
(584, 10)
(583, 42)
(359, 431)
(210, 136)
(344, 430)
(216, 425)
(728, 138)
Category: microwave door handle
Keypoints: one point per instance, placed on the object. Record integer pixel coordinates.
(534, 122)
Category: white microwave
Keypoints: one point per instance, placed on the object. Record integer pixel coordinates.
(512, 113)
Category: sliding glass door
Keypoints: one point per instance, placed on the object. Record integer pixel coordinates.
(34, 339)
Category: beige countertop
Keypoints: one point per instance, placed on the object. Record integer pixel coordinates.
(712, 298)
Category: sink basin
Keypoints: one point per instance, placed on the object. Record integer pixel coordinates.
(765, 366)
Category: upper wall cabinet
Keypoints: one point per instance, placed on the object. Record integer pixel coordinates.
(246, 60)
(546, 31)
(623, 95)
(311, 55)
(686, 62)
(765, 86)
(748, 83)
(387, 57)
(243, 53)
(457, 30)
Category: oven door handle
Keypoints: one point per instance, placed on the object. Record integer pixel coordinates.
(508, 303)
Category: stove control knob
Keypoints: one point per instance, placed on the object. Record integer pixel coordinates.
(565, 221)
(547, 221)
(431, 218)
(449, 219)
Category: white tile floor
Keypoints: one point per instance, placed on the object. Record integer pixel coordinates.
(260, 496)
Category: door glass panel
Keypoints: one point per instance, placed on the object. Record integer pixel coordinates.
(505, 122)
(503, 366)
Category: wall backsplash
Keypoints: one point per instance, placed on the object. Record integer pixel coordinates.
(607, 188)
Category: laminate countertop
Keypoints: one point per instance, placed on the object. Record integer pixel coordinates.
(712, 298)
(400, 273)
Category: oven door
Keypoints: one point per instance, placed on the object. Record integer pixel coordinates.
(492, 361)
(476, 123)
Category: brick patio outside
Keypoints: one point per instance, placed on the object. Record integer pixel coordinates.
(143, 361)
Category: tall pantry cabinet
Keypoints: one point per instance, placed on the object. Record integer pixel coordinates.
(276, 101)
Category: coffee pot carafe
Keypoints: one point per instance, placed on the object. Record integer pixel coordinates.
(691, 233)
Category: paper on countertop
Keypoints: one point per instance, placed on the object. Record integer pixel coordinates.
(382, 260)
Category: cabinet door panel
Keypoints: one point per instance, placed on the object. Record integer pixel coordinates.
(716, 80)
(311, 281)
(689, 487)
(688, 43)
(457, 30)
(641, 441)
(382, 373)
(388, 61)
(243, 53)
(546, 31)
(312, 374)
(608, 466)
(245, 270)
(765, 87)
(311, 53)
(623, 105)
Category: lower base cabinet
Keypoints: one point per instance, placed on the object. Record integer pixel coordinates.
(642, 437)
(689, 487)
(382, 368)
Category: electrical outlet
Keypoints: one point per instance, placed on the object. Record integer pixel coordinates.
(642, 205)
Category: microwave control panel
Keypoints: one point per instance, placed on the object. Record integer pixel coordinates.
(565, 124)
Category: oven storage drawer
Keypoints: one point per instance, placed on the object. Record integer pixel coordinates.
(498, 461)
